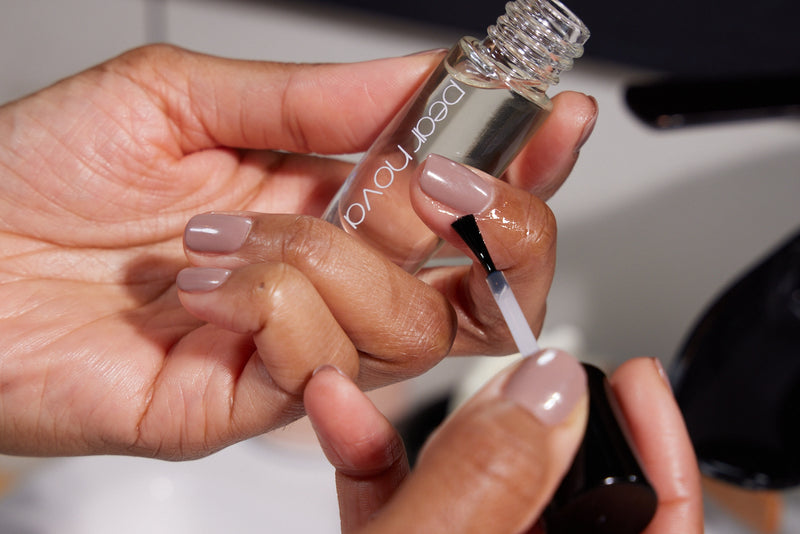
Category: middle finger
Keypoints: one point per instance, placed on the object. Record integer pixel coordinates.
(402, 324)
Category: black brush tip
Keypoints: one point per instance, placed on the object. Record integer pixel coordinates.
(467, 228)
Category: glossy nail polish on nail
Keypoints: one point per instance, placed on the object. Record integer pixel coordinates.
(548, 384)
(201, 279)
(454, 185)
(216, 232)
(479, 107)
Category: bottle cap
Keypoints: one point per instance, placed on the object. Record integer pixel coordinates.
(605, 490)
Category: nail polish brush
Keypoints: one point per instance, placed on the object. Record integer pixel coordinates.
(467, 229)
(605, 491)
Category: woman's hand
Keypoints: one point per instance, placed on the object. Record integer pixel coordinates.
(100, 173)
(494, 465)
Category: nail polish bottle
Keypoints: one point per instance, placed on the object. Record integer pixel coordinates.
(478, 107)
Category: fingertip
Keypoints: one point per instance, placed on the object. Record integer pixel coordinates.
(657, 427)
(662, 374)
(504, 451)
(444, 190)
(356, 436)
(588, 122)
(548, 158)
(583, 109)
(323, 379)
(201, 279)
(328, 368)
(632, 374)
(326, 384)
(577, 114)
(436, 54)
(359, 441)
(549, 385)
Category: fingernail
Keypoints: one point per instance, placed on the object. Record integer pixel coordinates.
(549, 385)
(454, 185)
(662, 373)
(216, 232)
(589, 127)
(432, 51)
(329, 367)
(201, 279)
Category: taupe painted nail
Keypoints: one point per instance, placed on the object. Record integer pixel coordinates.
(454, 185)
(548, 384)
(216, 232)
(201, 279)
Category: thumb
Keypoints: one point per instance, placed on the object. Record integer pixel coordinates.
(496, 463)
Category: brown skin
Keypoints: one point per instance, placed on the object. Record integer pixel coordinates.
(101, 172)
(493, 467)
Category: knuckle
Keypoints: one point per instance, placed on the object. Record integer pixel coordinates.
(293, 332)
(149, 53)
(430, 331)
(160, 69)
(540, 228)
(418, 329)
(291, 120)
(310, 242)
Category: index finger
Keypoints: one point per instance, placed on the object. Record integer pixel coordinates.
(658, 430)
(552, 152)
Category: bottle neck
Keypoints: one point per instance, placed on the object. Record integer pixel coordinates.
(530, 45)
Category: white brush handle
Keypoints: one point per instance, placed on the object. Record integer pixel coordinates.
(512, 313)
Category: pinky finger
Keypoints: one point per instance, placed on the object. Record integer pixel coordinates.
(360, 443)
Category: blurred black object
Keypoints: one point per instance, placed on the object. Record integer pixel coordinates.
(680, 37)
(416, 427)
(737, 378)
(605, 491)
(684, 102)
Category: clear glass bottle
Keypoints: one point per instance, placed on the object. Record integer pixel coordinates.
(479, 107)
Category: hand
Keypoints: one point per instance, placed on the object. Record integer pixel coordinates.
(494, 465)
(100, 173)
